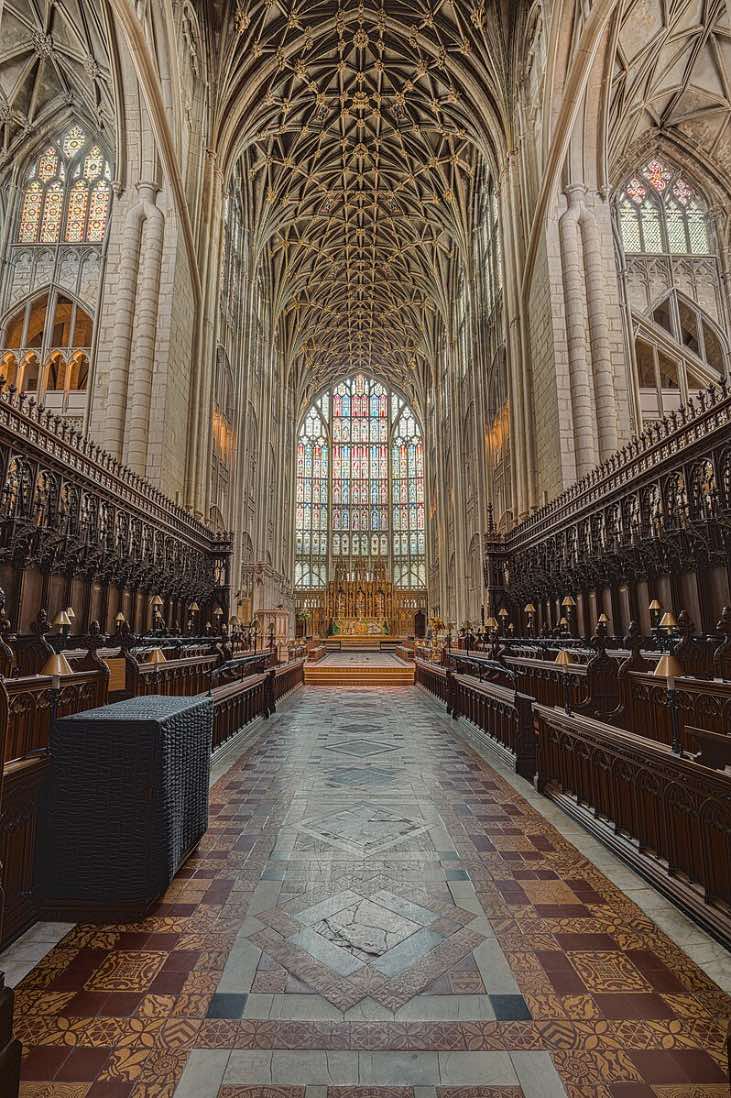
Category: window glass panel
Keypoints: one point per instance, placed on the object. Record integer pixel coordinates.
(688, 327)
(30, 214)
(76, 216)
(713, 348)
(675, 219)
(698, 231)
(663, 315)
(645, 365)
(651, 228)
(73, 141)
(668, 372)
(52, 210)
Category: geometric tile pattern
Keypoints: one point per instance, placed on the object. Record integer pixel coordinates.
(435, 917)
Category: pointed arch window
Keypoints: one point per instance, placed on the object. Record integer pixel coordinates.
(360, 486)
(68, 193)
(660, 212)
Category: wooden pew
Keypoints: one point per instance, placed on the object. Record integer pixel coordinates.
(665, 815)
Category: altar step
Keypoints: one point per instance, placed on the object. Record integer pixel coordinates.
(321, 675)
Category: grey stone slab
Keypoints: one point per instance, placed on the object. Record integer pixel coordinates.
(240, 968)
(339, 960)
(405, 908)
(265, 896)
(486, 1069)
(308, 1068)
(496, 973)
(537, 1075)
(312, 915)
(398, 1068)
(203, 1073)
(447, 1008)
(408, 952)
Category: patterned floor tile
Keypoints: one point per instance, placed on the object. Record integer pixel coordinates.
(364, 854)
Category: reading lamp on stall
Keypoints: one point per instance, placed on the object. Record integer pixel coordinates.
(58, 667)
(564, 661)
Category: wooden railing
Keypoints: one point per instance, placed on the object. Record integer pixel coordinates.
(505, 715)
(181, 678)
(667, 816)
(316, 653)
(404, 652)
(432, 677)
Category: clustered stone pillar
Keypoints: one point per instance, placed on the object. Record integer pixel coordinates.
(593, 397)
(132, 360)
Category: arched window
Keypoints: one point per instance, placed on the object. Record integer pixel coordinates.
(660, 212)
(360, 486)
(498, 437)
(55, 330)
(672, 284)
(67, 194)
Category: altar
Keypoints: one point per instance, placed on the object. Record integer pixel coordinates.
(360, 627)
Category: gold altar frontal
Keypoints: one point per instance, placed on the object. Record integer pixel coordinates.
(359, 627)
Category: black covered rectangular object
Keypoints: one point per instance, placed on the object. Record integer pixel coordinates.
(127, 802)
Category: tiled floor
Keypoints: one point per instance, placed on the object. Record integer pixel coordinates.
(375, 913)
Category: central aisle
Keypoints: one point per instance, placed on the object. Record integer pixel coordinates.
(374, 909)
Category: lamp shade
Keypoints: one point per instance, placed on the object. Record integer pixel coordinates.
(491, 623)
(668, 667)
(655, 605)
(70, 612)
(563, 621)
(529, 608)
(120, 618)
(568, 600)
(156, 601)
(62, 618)
(57, 666)
(563, 659)
(502, 612)
(667, 621)
(194, 607)
(156, 655)
(603, 619)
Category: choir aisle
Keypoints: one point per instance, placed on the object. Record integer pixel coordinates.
(375, 910)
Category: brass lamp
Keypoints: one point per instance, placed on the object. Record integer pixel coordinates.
(564, 661)
(194, 607)
(563, 621)
(568, 601)
(668, 621)
(603, 619)
(668, 668)
(156, 601)
(57, 666)
(655, 609)
(119, 619)
(655, 605)
(491, 623)
(70, 612)
(529, 608)
(63, 621)
(156, 656)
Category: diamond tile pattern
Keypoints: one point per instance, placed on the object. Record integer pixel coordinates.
(334, 917)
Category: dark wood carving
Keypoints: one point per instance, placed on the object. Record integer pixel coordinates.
(667, 816)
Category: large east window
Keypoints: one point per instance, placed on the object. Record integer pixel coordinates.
(360, 486)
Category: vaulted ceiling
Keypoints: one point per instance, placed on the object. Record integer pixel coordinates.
(673, 71)
(365, 133)
(54, 57)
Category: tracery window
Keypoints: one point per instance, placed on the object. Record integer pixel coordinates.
(67, 194)
(360, 485)
(660, 212)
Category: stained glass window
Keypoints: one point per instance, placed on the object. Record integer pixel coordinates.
(67, 194)
(367, 503)
(660, 212)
